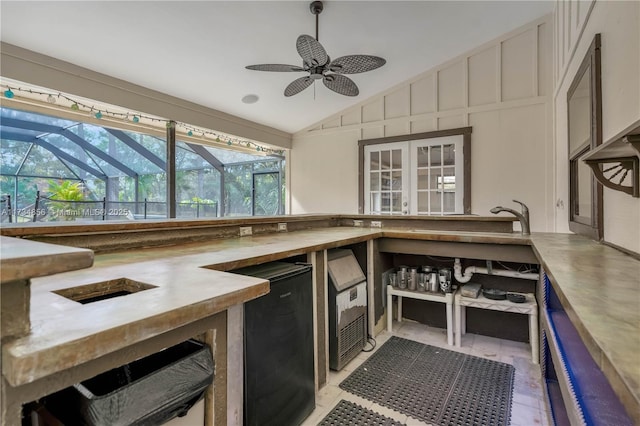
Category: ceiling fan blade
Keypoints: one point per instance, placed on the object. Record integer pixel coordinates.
(274, 67)
(353, 64)
(311, 51)
(341, 84)
(298, 85)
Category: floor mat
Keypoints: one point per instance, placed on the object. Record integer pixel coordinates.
(435, 385)
(349, 413)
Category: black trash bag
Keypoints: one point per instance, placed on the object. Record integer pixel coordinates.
(149, 391)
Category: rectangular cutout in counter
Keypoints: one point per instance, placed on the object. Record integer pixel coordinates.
(103, 290)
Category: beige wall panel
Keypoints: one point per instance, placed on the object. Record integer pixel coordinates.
(620, 52)
(562, 169)
(507, 160)
(331, 124)
(482, 77)
(328, 160)
(572, 12)
(486, 166)
(422, 95)
(396, 129)
(351, 117)
(544, 60)
(420, 126)
(373, 132)
(373, 111)
(452, 122)
(518, 61)
(326, 174)
(397, 104)
(451, 87)
(622, 220)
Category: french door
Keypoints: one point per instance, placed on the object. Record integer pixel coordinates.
(386, 182)
(419, 177)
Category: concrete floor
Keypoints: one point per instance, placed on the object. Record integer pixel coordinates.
(527, 408)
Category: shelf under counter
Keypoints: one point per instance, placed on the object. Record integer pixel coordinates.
(596, 309)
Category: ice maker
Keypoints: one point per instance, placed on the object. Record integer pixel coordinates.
(347, 308)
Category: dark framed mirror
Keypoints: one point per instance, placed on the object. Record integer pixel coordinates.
(584, 108)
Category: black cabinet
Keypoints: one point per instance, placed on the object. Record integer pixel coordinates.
(279, 387)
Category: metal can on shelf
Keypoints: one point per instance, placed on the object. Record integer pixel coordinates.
(412, 282)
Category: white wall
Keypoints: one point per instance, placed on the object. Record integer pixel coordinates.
(575, 24)
(502, 89)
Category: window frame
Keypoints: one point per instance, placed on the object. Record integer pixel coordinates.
(465, 132)
(591, 227)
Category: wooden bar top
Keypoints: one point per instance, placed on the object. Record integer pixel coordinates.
(599, 287)
(190, 284)
(22, 259)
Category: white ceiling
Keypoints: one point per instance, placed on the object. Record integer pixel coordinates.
(198, 50)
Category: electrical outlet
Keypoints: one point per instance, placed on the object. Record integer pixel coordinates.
(376, 224)
(245, 231)
(358, 223)
(282, 227)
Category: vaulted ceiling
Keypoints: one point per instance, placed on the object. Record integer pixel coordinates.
(197, 50)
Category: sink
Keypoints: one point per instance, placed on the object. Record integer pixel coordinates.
(95, 292)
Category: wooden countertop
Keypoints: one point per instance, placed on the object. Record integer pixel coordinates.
(599, 288)
(190, 284)
(22, 259)
(598, 285)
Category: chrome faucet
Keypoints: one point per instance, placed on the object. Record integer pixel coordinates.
(522, 217)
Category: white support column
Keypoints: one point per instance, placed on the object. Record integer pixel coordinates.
(449, 302)
(235, 367)
(533, 337)
(458, 324)
(389, 309)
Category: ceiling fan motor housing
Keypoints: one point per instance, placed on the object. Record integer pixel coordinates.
(316, 7)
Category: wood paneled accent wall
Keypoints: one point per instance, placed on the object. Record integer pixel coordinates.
(501, 88)
(574, 25)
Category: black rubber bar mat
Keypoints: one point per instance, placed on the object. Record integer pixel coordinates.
(435, 385)
(349, 413)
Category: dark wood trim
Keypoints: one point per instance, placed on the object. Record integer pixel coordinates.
(466, 152)
(171, 170)
(594, 227)
(464, 131)
(504, 253)
(416, 136)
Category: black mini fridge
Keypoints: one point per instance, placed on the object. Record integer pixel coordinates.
(279, 386)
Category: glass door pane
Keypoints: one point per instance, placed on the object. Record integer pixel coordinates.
(266, 194)
(436, 176)
(386, 179)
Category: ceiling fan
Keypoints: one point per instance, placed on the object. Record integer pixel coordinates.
(317, 63)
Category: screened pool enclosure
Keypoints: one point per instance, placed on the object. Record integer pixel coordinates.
(54, 169)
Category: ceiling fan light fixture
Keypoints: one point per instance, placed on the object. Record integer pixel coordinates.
(317, 63)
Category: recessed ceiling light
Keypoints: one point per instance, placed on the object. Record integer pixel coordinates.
(250, 99)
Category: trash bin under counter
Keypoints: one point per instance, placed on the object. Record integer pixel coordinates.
(149, 391)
